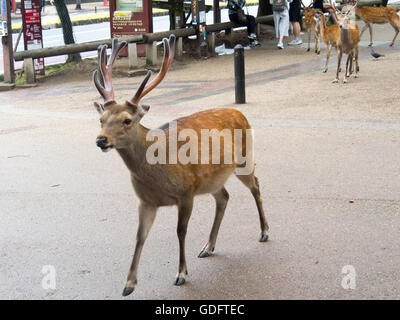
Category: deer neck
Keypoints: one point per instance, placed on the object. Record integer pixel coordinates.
(134, 155)
(345, 37)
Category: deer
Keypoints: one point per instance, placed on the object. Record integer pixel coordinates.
(174, 183)
(349, 37)
(311, 25)
(329, 34)
(379, 15)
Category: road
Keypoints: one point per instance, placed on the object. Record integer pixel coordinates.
(92, 32)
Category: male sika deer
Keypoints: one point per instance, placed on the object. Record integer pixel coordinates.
(349, 37)
(379, 15)
(173, 183)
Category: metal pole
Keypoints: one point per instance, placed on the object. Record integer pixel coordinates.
(240, 89)
(6, 41)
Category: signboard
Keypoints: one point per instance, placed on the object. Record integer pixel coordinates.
(130, 17)
(32, 27)
(3, 22)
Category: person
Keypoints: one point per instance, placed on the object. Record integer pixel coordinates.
(42, 5)
(295, 19)
(326, 6)
(281, 21)
(233, 7)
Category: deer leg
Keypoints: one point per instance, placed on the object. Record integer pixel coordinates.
(328, 54)
(363, 29)
(251, 182)
(309, 38)
(356, 62)
(340, 53)
(317, 44)
(348, 67)
(221, 199)
(184, 212)
(147, 213)
(370, 34)
(396, 28)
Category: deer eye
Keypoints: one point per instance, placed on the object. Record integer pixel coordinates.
(127, 121)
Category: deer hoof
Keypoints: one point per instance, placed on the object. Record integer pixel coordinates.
(344, 80)
(263, 237)
(335, 81)
(127, 291)
(179, 281)
(204, 254)
(370, 45)
(325, 71)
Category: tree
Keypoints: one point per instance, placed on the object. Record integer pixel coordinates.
(66, 25)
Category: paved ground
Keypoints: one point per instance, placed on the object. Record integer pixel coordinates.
(327, 160)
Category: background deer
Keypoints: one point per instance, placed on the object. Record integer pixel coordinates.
(379, 15)
(329, 34)
(349, 37)
(169, 184)
(311, 25)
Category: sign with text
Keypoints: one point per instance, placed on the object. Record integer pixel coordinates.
(130, 17)
(32, 27)
(3, 22)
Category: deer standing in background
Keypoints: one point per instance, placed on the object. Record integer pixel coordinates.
(349, 37)
(311, 25)
(170, 184)
(379, 15)
(329, 34)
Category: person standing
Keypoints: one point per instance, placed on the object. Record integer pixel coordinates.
(237, 15)
(280, 9)
(295, 19)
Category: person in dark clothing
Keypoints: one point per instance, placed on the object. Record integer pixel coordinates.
(326, 6)
(42, 5)
(295, 19)
(233, 7)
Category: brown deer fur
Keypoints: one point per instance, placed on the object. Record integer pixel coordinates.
(379, 15)
(311, 25)
(329, 34)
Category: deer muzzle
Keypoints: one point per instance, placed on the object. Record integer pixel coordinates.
(102, 143)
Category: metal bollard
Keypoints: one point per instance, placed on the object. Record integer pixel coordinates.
(240, 90)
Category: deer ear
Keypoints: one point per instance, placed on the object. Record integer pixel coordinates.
(145, 107)
(99, 107)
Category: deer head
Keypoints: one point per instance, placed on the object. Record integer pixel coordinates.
(119, 122)
(344, 19)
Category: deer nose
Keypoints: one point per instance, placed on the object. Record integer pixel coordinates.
(101, 142)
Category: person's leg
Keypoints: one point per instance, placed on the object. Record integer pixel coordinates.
(251, 24)
(283, 26)
(294, 15)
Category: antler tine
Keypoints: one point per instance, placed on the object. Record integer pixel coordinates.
(105, 74)
(169, 48)
(139, 91)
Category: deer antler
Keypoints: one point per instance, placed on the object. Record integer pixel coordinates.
(348, 11)
(169, 49)
(102, 79)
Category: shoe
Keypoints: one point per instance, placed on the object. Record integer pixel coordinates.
(252, 36)
(254, 43)
(280, 45)
(295, 42)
